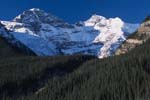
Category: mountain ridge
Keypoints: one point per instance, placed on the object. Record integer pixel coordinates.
(97, 36)
(136, 39)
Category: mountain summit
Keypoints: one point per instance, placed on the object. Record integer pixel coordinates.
(47, 35)
(36, 15)
(112, 32)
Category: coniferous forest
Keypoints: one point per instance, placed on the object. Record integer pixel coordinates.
(74, 50)
(76, 77)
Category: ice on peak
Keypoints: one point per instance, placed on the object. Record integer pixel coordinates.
(95, 16)
(37, 16)
(116, 22)
(94, 19)
(107, 34)
(34, 9)
(116, 18)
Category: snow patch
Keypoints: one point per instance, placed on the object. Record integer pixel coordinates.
(98, 35)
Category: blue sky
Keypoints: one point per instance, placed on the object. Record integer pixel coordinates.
(133, 11)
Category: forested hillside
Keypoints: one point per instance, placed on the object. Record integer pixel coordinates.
(77, 77)
(26, 74)
(125, 77)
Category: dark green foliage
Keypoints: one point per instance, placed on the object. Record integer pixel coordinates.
(6, 50)
(124, 77)
(24, 75)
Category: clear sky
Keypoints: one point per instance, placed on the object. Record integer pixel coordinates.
(79, 10)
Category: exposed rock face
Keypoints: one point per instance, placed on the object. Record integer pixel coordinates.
(136, 39)
(48, 35)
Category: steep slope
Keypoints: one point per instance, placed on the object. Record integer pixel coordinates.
(30, 44)
(124, 77)
(6, 50)
(112, 31)
(136, 39)
(97, 36)
(9, 46)
(25, 75)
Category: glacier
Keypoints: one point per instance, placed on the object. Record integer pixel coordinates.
(48, 35)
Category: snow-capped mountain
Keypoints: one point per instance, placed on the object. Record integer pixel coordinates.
(48, 35)
(30, 44)
(112, 32)
(9, 37)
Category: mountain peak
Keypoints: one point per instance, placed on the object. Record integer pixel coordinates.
(35, 9)
(117, 19)
(94, 19)
(97, 20)
(97, 36)
(95, 16)
(35, 15)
